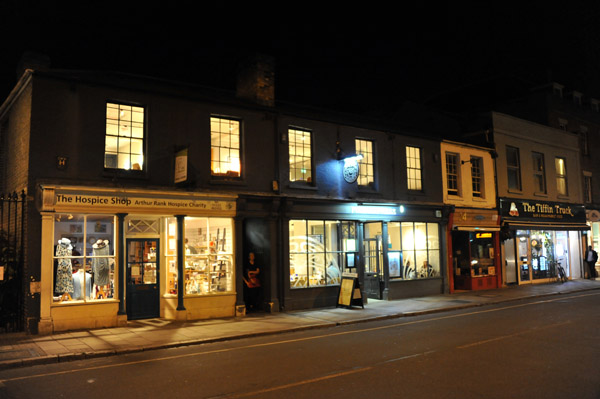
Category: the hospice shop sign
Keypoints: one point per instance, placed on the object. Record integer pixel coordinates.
(121, 202)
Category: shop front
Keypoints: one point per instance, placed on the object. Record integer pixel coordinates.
(394, 249)
(114, 255)
(474, 258)
(593, 238)
(540, 238)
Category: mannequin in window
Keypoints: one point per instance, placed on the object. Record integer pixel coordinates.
(64, 271)
(81, 279)
(100, 267)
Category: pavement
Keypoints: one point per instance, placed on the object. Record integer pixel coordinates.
(22, 350)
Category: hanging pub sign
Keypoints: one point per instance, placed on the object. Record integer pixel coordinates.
(533, 210)
(349, 294)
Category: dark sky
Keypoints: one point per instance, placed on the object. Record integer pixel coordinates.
(345, 56)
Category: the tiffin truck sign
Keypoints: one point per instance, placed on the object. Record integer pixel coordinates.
(539, 210)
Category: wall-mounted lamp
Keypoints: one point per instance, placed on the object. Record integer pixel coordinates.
(464, 162)
(353, 159)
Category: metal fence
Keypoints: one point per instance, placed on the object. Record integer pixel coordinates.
(12, 218)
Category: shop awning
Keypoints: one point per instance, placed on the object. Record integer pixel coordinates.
(546, 226)
(477, 228)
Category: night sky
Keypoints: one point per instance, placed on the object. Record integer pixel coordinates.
(349, 59)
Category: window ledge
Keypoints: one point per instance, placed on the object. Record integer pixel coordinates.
(545, 195)
(368, 189)
(302, 186)
(225, 181)
(513, 191)
(125, 174)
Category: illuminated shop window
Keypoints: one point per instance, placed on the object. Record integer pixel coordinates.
(124, 140)
(320, 251)
(477, 176)
(170, 251)
(225, 147)
(539, 173)
(208, 255)
(452, 173)
(300, 155)
(366, 168)
(413, 168)
(513, 168)
(413, 250)
(561, 176)
(84, 258)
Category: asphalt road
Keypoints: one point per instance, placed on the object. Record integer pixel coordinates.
(540, 348)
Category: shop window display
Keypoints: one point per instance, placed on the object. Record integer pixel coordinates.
(208, 255)
(413, 249)
(320, 251)
(84, 264)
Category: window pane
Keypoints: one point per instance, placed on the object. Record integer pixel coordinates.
(225, 139)
(433, 238)
(208, 255)
(413, 162)
(299, 148)
(123, 122)
(394, 236)
(84, 265)
(365, 148)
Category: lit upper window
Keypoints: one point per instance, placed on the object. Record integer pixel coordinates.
(413, 168)
(561, 176)
(513, 168)
(225, 147)
(300, 155)
(366, 168)
(452, 173)
(477, 176)
(124, 141)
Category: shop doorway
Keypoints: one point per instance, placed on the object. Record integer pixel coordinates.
(142, 278)
(374, 273)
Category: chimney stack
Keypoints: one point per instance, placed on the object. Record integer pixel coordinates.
(256, 80)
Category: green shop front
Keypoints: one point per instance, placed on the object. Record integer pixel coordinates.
(540, 236)
(395, 249)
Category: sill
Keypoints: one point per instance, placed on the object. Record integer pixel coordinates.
(79, 302)
(208, 294)
(563, 197)
(125, 174)
(217, 180)
(513, 191)
(545, 195)
(368, 189)
(302, 185)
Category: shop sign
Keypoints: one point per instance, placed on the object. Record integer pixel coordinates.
(593, 215)
(541, 210)
(139, 203)
(377, 210)
(181, 164)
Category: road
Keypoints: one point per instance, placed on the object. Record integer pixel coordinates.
(538, 348)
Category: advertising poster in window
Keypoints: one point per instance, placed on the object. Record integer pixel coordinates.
(394, 263)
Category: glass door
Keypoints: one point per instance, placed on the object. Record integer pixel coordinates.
(373, 278)
(142, 278)
(523, 258)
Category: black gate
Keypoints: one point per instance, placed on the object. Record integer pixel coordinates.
(11, 261)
